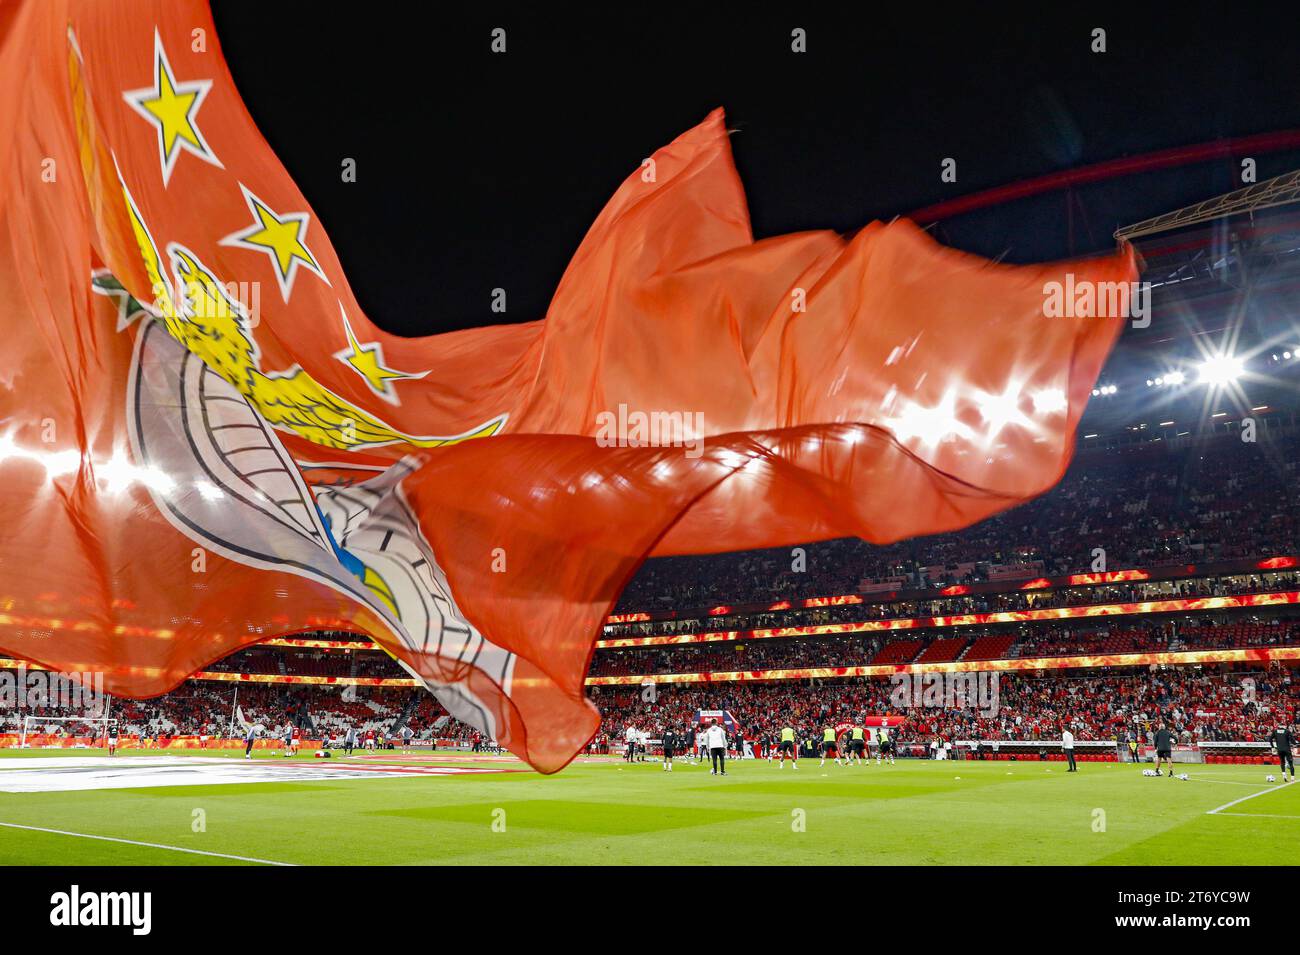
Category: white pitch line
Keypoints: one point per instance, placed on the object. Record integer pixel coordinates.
(147, 845)
(1257, 815)
(1222, 782)
(1229, 805)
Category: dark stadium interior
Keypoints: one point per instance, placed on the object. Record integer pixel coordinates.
(491, 435)
(853, 134)
(1191, 484)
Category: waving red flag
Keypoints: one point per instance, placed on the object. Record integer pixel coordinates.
(204, 442)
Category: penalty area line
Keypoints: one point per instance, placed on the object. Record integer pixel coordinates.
(147, 845)
(1219, 810)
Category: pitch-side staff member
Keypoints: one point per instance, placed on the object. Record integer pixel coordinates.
(1067, 745)
(716, 737)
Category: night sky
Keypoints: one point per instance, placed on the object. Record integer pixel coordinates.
(478, 170)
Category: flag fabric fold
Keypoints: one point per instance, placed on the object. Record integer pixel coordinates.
(204, 442)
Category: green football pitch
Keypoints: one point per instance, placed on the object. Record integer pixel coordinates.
(609, 812)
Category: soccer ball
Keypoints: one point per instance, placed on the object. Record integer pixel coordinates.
(1184, 777)
(1270, 779)
(1149, 772)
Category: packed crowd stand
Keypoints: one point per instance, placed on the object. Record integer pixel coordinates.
(1026, 641)
(200, 707)
(207, 707)
(1200, 706)
(322, 663)
(1012, 599)
(1146, 506)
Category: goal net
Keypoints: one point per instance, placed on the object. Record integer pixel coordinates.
(56, 731)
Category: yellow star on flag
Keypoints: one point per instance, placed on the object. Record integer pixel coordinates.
(368, 362)
(171, 107)
(280, 237)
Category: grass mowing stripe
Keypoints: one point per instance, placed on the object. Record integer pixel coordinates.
(147, 845)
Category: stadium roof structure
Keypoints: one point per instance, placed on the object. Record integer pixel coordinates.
(1223, 269)
(1223, 288)
(1278, 191)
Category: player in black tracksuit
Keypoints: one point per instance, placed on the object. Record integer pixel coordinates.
(670, 744)
(1282, 743)
(1164, 749)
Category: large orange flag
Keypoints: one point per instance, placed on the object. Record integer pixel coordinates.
(205, 442)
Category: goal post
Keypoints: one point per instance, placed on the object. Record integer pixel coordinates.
(99, 727)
